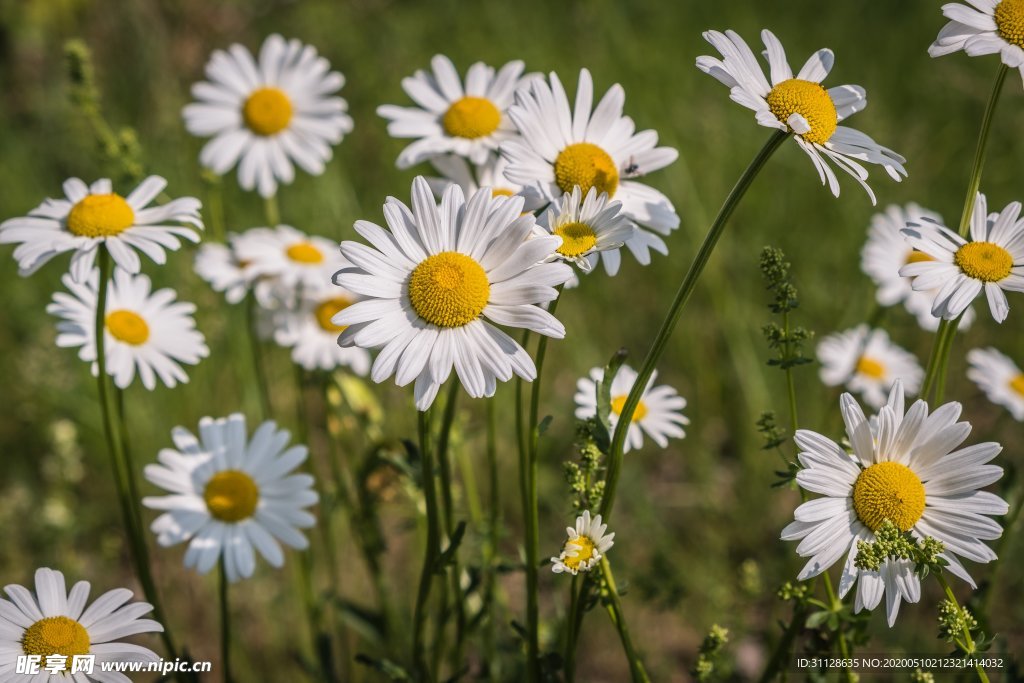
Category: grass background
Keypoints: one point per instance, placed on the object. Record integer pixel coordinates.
(697, 524)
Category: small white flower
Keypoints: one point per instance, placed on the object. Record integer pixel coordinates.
(146, 332)
(959, 270)
(983, 27)
(266, 115)
(309, 331)
(216, 264)
(659, 413)
(999, 377)
(94, 216)
(587, 544)
(57, 623)
(588, 227)
(867, 362)
(284, 262)
(231, 495)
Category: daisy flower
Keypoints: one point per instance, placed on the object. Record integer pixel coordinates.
(309, 331)
(472, 177)
(658, 414)
(231, 494)
(287, 261)
(266, 115)
(865, 361)
(983, 27)
(993, 260)
(91, 216)
(587, 544)
(217, 265)
(562, 148)
(470, 121)
(999, 377)
(146, 332)
(909, 475)
(801, 105)
(56, 625)
(588, 227)
(437, 280)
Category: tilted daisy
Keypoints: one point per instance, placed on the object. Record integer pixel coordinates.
(231, 494)
(437, 280)
(93, 216)
(309, 331)
(999, 377)
(269, 114)
(59, 626)
(286, 261)
(590, 228)
(587, 544)
(910, 475)
(993, 260)
(562, 148)
(865, 361)
(983, 27)
(146, 333)
(470, 121)
(658, 414)
(801, 105)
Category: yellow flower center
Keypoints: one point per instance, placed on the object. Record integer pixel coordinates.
(100, 215)
(471, 117)
(1009, 17)
(584, 547)
(918, 257)
(267, 111)
(619, 401)
(870, 367)
(128, 327)
(449, 289)
(577, 238)
(305, 252)
(231, 495)
(586, 165)
(811, 101)
(55, 636)
(888, 490)
(501, 192)
(984, 261)
(1017, 384)
(326, 310)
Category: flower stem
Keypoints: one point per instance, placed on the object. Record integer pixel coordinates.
(686, 288)
(491, 549)
(968, 640)
(636, 665)
(432, 547)
(225, 623)
(448, 514)
(271, 210)
(259, 372)
(835, 604)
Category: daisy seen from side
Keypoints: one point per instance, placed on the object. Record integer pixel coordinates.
(999, 377)
(983, 27)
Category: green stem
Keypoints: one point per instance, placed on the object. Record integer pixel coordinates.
(259, 372)
(968, 640)
(432, 547)
(668, 325)
(790, 385)
(636, 665)
(494, 528)
(448, 514)
(271, 210)
(834, 604)
(570, 633)
(225, 624)
(526, 480)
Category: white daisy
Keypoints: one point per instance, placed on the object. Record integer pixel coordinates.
(216, 264)
(993, 260)
(587, 544)
(285, 261)
(449, 119)
(95, 215)
(800, 105)
(588, 227)
(472, 177)
(999, 377)
(56, 625)
(146, 332)
(562, 148)
(983, 27)
(436, 282)
(268, 114)
(231, 494)
(867, 362)
(309, 331)
(658, 414)
(910, 475)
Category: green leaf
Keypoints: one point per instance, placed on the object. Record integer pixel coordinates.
(816, 619)
(604, 397)
(448, 556)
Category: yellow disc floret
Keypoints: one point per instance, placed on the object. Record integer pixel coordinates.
(231, 495)
(584, 547)
(870, 367)
(1009, 16)
(449, 289)
(128, 327)
(811, 101)
(586, 165)
(267, 111)
(305, 252)
(100, 215)
(501, 192)
(326, 310)
(1017, 384)
(888, 490)
(471, 117)
(619, 402)
(918, 257)
(577, 239)
(55, 636)
(983, 261)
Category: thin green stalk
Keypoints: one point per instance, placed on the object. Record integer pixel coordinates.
(271, 210)
(636, 665)
(225, 624)
(968, 640)
(686, 288)
(527, 479)
(259, 372)
(834, 604)
(493, 529)
(790, 385)
(448, 516)
(431, 551)
(570, 632)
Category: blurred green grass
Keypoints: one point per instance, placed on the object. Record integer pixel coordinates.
(688, 517)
